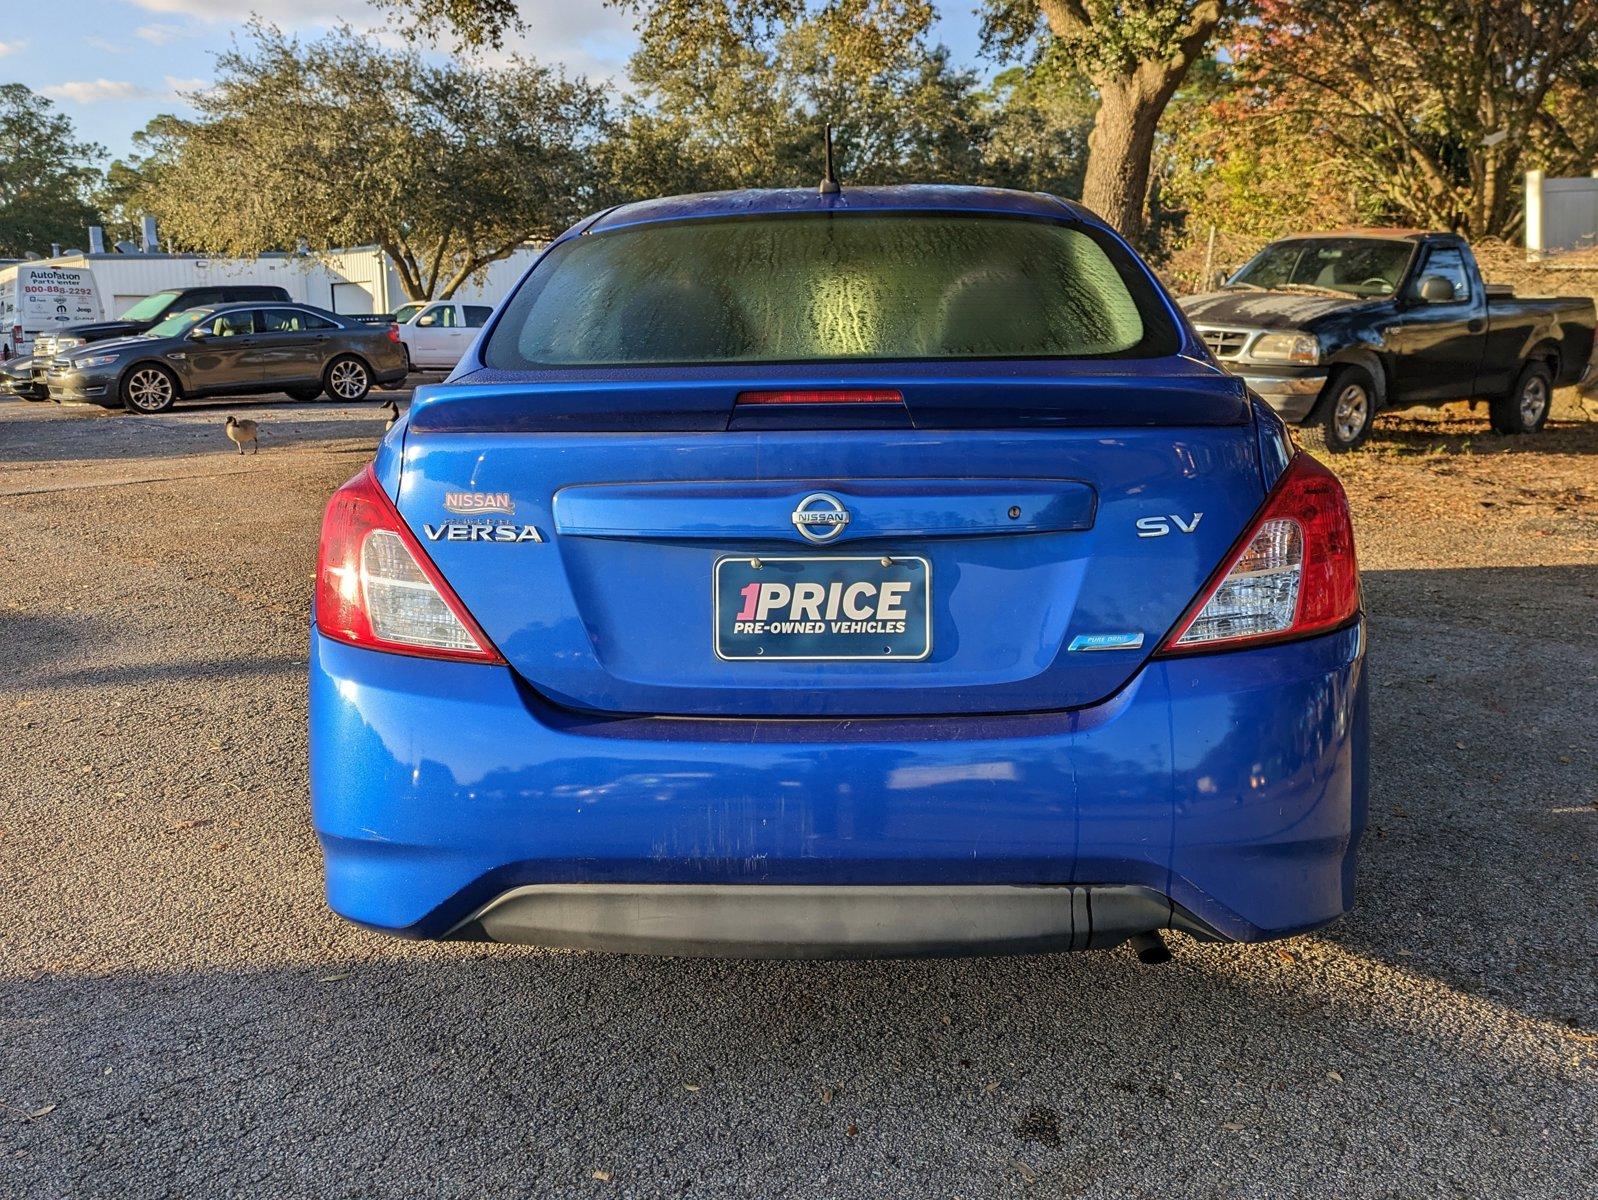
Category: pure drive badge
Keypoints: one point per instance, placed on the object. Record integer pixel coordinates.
(480, 531)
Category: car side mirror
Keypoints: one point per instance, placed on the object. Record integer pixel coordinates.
(1434, 289)
(1218, 281)
(427, 320)
(199, 334)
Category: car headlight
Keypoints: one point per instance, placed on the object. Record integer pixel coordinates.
(67, 343)
(1298, 348)
(96, 360)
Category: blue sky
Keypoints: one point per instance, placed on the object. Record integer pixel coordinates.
(111, 65)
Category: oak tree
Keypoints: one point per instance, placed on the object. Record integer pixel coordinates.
(1435, 107)
(45, 175)
(341, 142)
(1135, 53)
(742, 88)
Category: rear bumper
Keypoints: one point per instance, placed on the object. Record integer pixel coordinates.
(839, 921)
(1223, 794)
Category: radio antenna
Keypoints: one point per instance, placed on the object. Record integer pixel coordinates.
(829, 181)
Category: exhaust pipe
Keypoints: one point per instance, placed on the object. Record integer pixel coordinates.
(1151, 948)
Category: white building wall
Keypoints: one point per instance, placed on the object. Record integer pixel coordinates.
(359, 280)
(369, 270)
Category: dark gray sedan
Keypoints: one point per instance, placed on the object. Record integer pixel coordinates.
(233, 349)
(16, 379)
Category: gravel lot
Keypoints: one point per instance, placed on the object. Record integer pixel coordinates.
(181, 1016)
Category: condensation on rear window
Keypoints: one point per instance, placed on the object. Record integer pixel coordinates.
(830, 288)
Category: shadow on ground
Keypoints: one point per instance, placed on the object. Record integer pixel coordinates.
(499, 1072)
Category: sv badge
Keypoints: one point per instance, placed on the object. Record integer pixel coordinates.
(1160, 526)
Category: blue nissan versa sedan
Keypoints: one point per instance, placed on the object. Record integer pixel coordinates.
(887, 572)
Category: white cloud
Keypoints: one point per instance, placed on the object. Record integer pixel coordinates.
(11, 47)
(280, 12)
(160, 33)
(587, 37)
(105, 45)
(175, 87)
(94, 91)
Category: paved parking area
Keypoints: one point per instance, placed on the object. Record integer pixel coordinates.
(180, 1016)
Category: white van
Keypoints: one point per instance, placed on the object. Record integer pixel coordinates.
(37, 297)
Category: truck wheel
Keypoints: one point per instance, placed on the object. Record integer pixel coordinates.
(1341, 419)
(1526, 406)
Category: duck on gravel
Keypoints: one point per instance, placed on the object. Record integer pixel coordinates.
(241, 432)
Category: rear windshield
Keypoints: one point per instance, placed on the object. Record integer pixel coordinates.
(831, 288)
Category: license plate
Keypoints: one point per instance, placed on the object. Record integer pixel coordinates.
(823, 609)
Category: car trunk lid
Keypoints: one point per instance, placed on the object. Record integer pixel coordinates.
(1038, 559)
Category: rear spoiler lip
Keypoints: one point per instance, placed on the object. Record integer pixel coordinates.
(1088, 393)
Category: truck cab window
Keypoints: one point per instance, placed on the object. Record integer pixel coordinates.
(1449, 263)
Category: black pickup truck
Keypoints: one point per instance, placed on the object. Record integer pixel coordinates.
(1330, 329)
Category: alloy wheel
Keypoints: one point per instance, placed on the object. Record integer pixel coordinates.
(149, 390)
(1533, 401)
(1351, 413)
(347, 381)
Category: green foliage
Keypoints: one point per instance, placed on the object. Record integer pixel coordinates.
(131, 186)
(1433, 108)
(1135, 54)
(339, 142)
(741, 89)
(1250, 176)
(45, 175)
(1037, 121)
(1253, 174)
(1101, 37)
(472, 24)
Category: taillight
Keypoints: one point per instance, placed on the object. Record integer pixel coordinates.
(393, 333)
(1292, 573)
(824, 396)
(376, 587)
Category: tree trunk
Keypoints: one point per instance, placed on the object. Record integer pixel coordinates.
(1121, 146)
(1135, 82)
